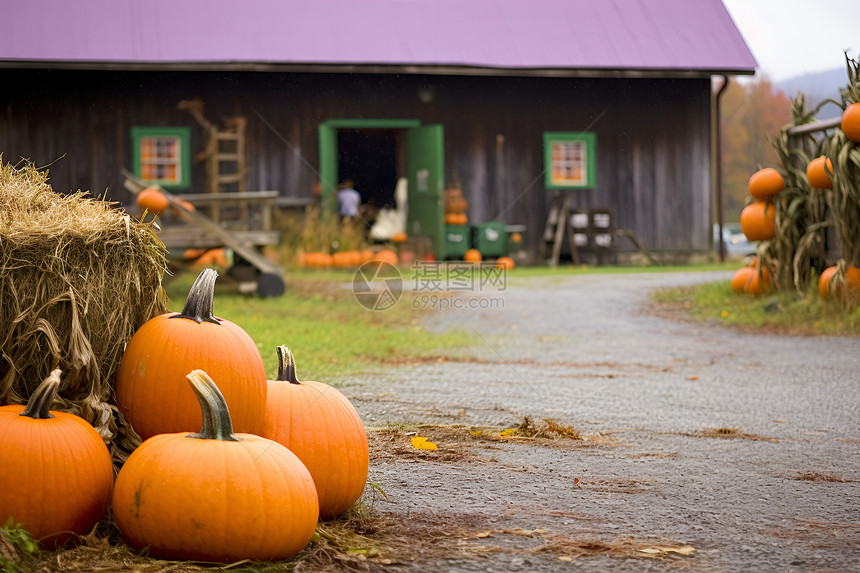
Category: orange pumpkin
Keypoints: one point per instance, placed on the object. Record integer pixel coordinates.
(851, 122)
(505, 263)
(151, 390)
(207, 257)
(473, 256)
(818, 175)
(456, 219)
(758, 283)
(765, 184)
(399, 237)
(758, 221)
(516, 238)
(852, 281)
(386, 256)
(319, 425)
(56, 473)
(342, 260)
(741, 278)
(215, 496)
(824, 281)
(849, 283)
(152, 199)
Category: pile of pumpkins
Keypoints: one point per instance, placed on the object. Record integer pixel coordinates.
(758, 223)
(345, 259)
(758, 220)
(270, 459)
(456, 207)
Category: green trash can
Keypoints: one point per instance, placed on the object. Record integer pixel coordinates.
(456, 241)
(490, 239)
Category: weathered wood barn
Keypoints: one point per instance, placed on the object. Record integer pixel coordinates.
(612, 102)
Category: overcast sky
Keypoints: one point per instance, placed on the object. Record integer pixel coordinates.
(793, 37)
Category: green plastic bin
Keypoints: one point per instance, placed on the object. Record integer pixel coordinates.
(456, 241)
(491, 239)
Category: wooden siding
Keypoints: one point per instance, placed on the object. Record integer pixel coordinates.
(653, 135)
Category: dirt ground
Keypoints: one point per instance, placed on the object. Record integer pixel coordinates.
(698, 448)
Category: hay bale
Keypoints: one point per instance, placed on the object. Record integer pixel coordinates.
(77, 278)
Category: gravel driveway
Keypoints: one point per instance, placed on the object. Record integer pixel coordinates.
(777, 490)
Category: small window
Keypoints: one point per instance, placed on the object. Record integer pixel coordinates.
(162, 155)
(569, 160)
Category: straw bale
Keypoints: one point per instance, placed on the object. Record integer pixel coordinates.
(77, 277)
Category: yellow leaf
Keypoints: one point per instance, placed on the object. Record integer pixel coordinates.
(476, 432)
(508, 432)
(421, 443)
(483, 534)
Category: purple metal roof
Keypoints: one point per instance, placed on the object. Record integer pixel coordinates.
(566, 34)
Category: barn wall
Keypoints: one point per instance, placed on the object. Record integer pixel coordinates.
(653, 136)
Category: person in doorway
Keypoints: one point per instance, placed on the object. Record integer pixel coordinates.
(348, 199)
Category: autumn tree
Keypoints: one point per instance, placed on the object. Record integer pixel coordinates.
(751, 115)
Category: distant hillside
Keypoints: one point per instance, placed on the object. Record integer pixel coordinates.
(817, 87)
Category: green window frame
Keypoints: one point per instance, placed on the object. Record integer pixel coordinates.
(162, 155)
(570, 159)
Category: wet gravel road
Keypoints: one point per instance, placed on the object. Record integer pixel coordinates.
(783, 495)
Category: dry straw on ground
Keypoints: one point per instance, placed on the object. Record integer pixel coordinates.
(77, 278)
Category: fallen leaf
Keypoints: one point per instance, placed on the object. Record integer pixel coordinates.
(565, 558)
(476, 432)
(692, 377)
(659, 550)
(421, 443)
(483, 534)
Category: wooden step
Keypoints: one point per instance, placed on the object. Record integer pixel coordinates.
(231, 178)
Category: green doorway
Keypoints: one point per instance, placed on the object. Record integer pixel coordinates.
(371, 151)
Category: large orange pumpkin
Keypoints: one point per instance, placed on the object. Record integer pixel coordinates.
(817, 175)
(741, 278)
(319, 425)
(56, 473)
(152, 199)
(851, 122)
(758, 221)
(151, 390)
(765, 184)
(215, 495)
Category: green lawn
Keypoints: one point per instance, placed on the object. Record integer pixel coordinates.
(783, 313)
(330, 334)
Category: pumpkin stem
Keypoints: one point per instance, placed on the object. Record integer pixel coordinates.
(39, 405)
(286, 366)
(198, 305)
(217, 424)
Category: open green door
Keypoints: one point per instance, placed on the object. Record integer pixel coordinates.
(425, 164)
(328, 164)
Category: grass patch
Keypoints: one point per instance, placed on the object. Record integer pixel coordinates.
(331, 335)
(776, 313)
